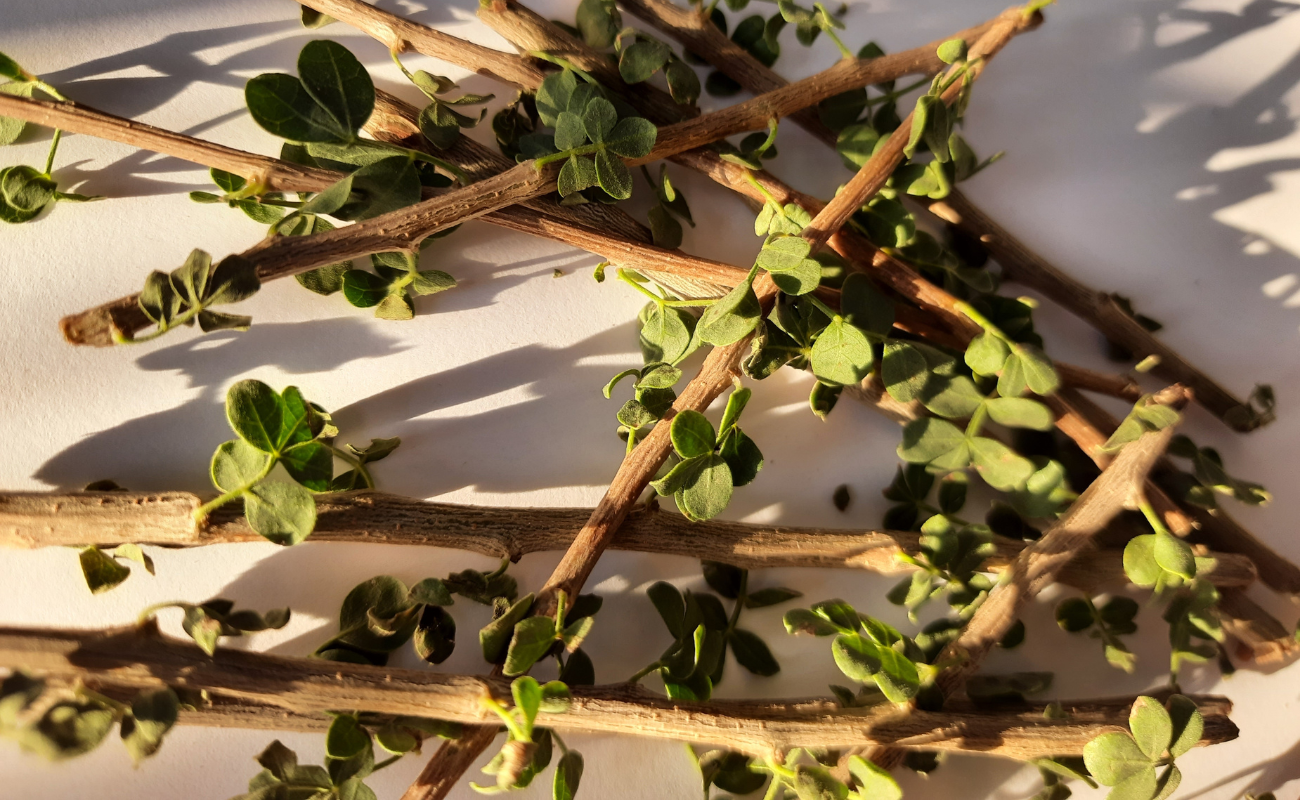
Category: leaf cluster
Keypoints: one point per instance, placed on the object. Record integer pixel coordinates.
(753, 34)
(1107, 623)
(283, 428)
(190, 291)
(866, 649)
(381, 615)
(591, 136)
(1208, 477)
(652, 385)
(516, 641)
(440, 122)
(1128, 762)
(641, 56)
(103, 569)
(527, 750)
(710, 463)
(75, 723)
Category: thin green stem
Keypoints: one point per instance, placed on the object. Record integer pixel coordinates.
(54, 148)
(564, 751)
(740, 601)
(977, 420)
(822, 307)
(845, 52)
(749, 176)
(357, 464)
(386, 762)
(1153, 518)
(150, 611)
(585, 150)
(897, 93)
(180, 320)
(644, 671)
(563, 63)
(623, 276)
(90, 694)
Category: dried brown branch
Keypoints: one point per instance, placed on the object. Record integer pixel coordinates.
(1119, 487)
(107, 519)
(1022, 265)
(1019, 262)
(401, 35)
(1260, 637)
(136, 658)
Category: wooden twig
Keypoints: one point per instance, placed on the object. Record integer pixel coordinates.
(1118, 488)
(138, 658)
(1260, 637)
(402, 35)
(1022, 265)
(107, 519)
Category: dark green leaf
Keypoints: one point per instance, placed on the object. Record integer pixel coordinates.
(842, 354)
(531, 639)
(706, 493)
(751, 652)
(641, 60)
(568, 773)
(101, 572)
(496, 635)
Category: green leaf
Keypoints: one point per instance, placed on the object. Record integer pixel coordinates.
(707, 492)
(925, 105)
(11, 70)
(1142, 785)
(632, 137)
(751, 652)
(152, 715)
(927, 439)
(435, 635)
(569, 131)
(256, 412)
(11, 129)
(1019, 412)
(338, 82)
(364, 289)
(641, 60)
(665, 333)
(693, 434)
(395, 307)
(722, 578)
(952, 50)
(770, 597)
(568, 773)
(1113, 758)
(800, 620)
(236, 464)
(311, 19)
(1074, 615)
(999, 465)
(578, 173)
(742, 456)
(598, 120)
(310, 464)
(134, 553)
(429, 591)
(842, 354)
(986, 354)
(1151, 726)
(858, 657)
(862, 304)
(496, 635)
(817, 783)
(1140, 560)
(955, 398)
(24, 193)
(1174, 555)
(1027, 368)
(668, 602)
(683, 83)
(532, 638)
(101, 572)
(873, 782)
(1187, 725)
(345, 737)
(732, 317)
(904, 371)
(856, 144)
(283, 513)
(613, 175)
(599, 22)
(528, 698)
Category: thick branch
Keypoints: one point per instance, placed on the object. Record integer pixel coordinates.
(106, 519)
(132, 658)
(1118, 488)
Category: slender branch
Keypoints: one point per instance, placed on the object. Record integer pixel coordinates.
(1260, 636)
(401, 35)
(1119, 487)
(273, 173)
(1022, 265)
(1121, 386)
(136, 658)
(107, 519)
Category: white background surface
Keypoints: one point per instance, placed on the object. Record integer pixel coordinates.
(1153, 149)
